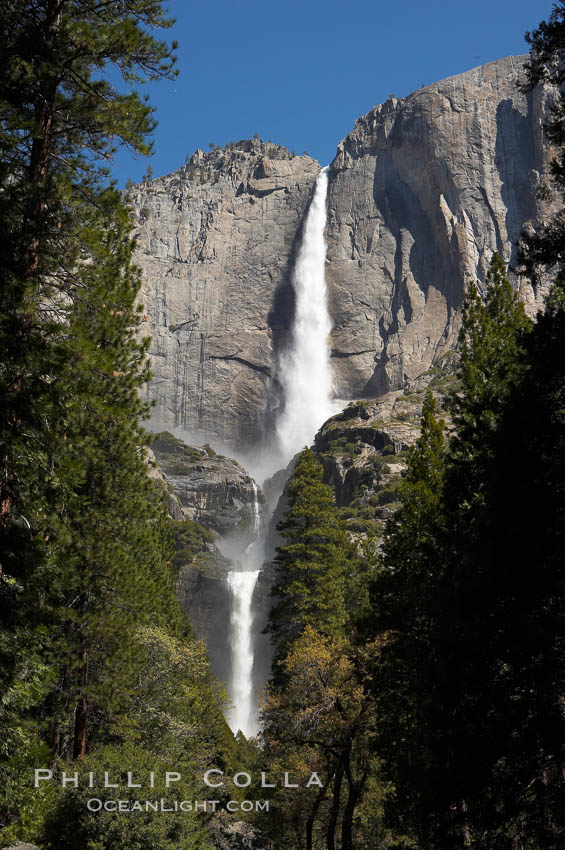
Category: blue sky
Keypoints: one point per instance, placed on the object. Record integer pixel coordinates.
(300, 73)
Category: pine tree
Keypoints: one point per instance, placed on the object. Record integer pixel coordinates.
(110, 551)
(512, 748)
(405, 615)
(85, 547)
(61, 121)
(437, 591)
(313, 564)
(490, 343)
(525, 553)
(493, 360)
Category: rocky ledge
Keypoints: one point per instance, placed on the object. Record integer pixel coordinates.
(364, 449)
(212, 489)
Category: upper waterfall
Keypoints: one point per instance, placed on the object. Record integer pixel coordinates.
(304, 369)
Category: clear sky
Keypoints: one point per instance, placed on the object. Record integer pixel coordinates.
(300, 73)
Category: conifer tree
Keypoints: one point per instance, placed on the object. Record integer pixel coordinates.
(61, 122)
(437, 589)
(313, 563)
(490, 344)
(525, 554)
(542, 248)
(110, 550)
(493, 360)
(511, 752)
(404, 596)
(84, 545)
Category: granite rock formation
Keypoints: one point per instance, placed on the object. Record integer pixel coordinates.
(216, 243)
(203, 594)
(421, 192)
(211, 489)
(364, 449)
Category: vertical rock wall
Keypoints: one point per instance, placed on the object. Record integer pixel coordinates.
(216, 243)
(421, 192)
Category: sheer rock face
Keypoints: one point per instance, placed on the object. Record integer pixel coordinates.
(216, 243)
(421, 192)
(218, 493)
(203, 593)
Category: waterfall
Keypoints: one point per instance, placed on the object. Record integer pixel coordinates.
(304, 370)
(306, 378)
(241, 584)
(256, 512)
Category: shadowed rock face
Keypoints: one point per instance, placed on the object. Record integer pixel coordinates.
(421, 192)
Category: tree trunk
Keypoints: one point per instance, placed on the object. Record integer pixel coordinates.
(56, 747)
(334, 814)
(81, 712)
(79, 739)
(355, 789)
(347, 824)
(466, 830)
(311, 820)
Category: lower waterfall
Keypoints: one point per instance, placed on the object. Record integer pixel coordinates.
(241, 585)
(305, 374)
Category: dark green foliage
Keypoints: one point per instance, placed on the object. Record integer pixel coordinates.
(314, 561)
(60, 122)
(470, 596)
(491, 362)
(521, 679)
(178, 456)
(446, 715)
(93, 646)
(190, 540)
(70, 824)
(403, 611)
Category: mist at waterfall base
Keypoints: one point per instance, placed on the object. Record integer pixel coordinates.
(305, 376)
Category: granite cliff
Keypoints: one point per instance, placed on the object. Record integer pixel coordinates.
(421, 192)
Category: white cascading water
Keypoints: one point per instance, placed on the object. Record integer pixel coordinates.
(304, 370)
(241, 584)
(256, 513)
(306, 378)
